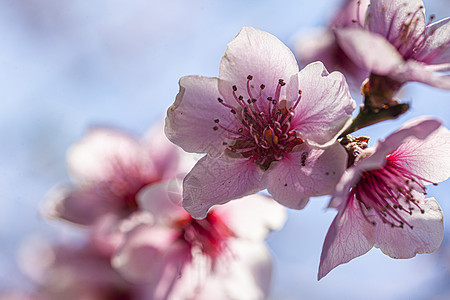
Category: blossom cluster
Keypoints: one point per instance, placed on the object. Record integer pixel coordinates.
(264, 135)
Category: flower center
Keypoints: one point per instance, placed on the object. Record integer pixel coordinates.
(209, 235)
(389, 191)
(265, 131)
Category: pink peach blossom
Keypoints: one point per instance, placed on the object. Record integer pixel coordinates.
(74, 272)
(108, 168)
(381, 199)
(263, 124)
(222, 256)
(321, 45)
(398, 42)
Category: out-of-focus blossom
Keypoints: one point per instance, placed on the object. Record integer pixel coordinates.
(263, 124)
(321, 45)
(399, 43)
(108, 168)
(381, 199)
(74, 272)
(220, 257)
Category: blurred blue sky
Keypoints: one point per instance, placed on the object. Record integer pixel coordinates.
(68, 65)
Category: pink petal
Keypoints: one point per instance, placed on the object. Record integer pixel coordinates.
(325, 107)
(425, 237)
(437, 47)
(191, 119)
(246, 275)
(163, 201)
(322, 46)
(253, 216)
(166, 156)
(369, 50)
(102, 152)
(386, 17)
(349, 236)
(218, 180)
(420, 72)
(81, 206)
(419, 128)
(260, 54)
(428, 158)
(146, 253)
(243, 274)
(307, 171)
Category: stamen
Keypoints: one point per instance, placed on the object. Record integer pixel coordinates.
(263, 129)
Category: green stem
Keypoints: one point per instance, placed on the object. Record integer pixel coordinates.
(368, 116)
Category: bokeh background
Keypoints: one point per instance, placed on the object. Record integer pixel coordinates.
(68, 65)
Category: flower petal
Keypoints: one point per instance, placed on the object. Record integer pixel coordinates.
(369, 50)
(163, 201)
(420, 72)
(218, 180)
(78, 205)
(429, 158)
(246, 276)
(388, 18)
(168, 159)
(305, 172)
(191, 119)
(104, 152)
(349, 236)
(325, 107)
(437, 46)
(418, 128)
(425, 237)
(260, 54)
(146, 253)
(253, 216)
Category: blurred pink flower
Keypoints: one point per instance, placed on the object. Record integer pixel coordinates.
(220, 257)
(381, 199)
(74, 272)
(321, 45)
(108, 168)
(263, 124)
(399, 43)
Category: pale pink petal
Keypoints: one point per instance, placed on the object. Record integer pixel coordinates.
(386, 17)
(79, 205)
(146, 252)
(437, 46)
(419, 128)
(425, 237)
(103, 152)
(260, 54)
(369, 50)
(165, 155)
(218, 180)
(322, 46)
(252, 217)
(352, 13)
(349, 236)
(245, 275)
(163, 201)
(340, 195)
(325, 107)
(307, 171)
(429, 158)
(420, 72)
(191, 119)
